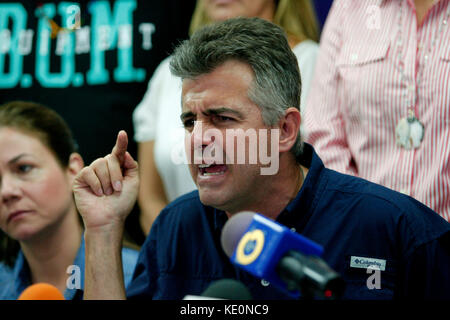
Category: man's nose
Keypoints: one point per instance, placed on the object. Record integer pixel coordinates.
(199, 139)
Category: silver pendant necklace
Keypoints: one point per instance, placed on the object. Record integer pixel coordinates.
(409, 131)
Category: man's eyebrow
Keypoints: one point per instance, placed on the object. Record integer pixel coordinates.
(217, 111)
(185, 115)
(17, 158)
(220, 111)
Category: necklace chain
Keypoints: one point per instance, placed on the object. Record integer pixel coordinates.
(427, 57)
(409, 131)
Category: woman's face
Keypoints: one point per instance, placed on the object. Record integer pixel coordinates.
(219, 10)
(35, 190)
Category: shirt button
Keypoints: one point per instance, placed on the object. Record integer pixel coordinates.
(293, 229)
(265, 283)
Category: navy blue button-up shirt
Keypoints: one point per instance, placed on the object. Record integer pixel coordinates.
(357, 222)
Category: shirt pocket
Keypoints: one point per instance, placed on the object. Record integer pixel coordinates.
(362, 69)
(369, 284)
(442, 86)
(358, 55)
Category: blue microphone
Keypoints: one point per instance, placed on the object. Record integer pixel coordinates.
(270, 251)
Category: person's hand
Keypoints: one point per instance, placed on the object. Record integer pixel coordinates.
(105, 191)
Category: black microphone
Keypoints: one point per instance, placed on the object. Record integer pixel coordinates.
(270, 251)
(224, 289)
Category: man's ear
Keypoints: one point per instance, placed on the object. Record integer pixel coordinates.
(289, 129)
(76, 163)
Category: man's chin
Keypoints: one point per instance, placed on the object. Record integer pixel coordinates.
(212, 199)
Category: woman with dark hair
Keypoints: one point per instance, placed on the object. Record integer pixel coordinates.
(41, 237)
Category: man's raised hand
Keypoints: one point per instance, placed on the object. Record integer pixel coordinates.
(106, 191)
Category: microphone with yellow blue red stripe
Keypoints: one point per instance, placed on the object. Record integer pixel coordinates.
(270, 251)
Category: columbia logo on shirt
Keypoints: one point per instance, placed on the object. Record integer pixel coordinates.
(365, 263)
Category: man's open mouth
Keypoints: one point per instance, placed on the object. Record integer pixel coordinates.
(212, 169)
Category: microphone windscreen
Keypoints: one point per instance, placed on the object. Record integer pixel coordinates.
(41, 291)
(229, 289)
(234, 229)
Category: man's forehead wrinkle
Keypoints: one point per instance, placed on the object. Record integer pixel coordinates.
(220, 89)
(190, 100)
(194, 101)
(198, 98)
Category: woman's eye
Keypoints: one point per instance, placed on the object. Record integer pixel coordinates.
(24, 168)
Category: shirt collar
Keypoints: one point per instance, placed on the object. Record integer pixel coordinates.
(298, 211)
(77, 274)
(21, 274)
(381, 2)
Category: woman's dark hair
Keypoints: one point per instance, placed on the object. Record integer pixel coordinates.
(50, 128)
(43, 123)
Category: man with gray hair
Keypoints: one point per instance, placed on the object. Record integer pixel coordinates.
(241, 80)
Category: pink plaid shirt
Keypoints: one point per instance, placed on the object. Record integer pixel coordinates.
(374, 65)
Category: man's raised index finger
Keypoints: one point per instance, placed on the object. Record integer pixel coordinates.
(120, 148)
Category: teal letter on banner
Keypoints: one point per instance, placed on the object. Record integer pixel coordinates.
(63, 78)
(18, 15)
(118, 27)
